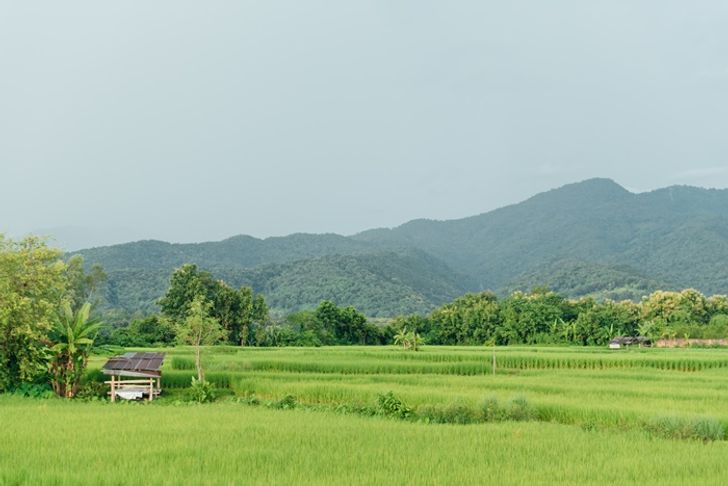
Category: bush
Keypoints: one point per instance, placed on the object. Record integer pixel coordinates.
(517, 409)
(458, 413)
(520, 410)
(33, 390)
(201, 391)
(492, 411)
(705, 428)
(289, 402)
(389, 405)
(92, 390)
(354, 409)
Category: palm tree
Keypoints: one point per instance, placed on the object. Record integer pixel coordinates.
(72, 337)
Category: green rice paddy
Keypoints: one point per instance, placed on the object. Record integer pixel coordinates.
(598, 416)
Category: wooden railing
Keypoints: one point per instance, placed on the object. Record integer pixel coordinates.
(144, 386)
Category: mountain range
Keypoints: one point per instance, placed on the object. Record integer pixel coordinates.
(589, 238)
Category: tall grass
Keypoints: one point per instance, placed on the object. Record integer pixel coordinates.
(53, 442)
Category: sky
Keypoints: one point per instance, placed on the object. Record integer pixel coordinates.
(194, 121)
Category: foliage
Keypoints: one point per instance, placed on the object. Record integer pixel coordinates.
(670, 427)
(242, 314)
(590, 239)
(545, 317)
(577, 278)
(92, 390)
(71, 339)
(409, 340)
(32, 390)
(33, 284)
(288, 402)
(380, 283)
(83, 286)
(199, 329)
(389, 405)
(201, 391)
(670, 238)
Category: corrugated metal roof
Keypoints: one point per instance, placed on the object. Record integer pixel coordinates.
(137, 363)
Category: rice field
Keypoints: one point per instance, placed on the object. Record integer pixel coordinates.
(580, 386)
(596, 417)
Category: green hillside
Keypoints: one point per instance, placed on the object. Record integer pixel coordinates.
(236, 252)
(590, 238)
(677, 235)
(577, 279)
(380, 284)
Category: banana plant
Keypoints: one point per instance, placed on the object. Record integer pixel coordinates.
(72, 338)
(402, 338)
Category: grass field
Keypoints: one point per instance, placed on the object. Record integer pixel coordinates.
(597, 417)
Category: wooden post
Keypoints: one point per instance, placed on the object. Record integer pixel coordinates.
(151, 389)
(113, 389)
(159, 384)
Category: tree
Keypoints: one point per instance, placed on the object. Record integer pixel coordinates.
(81, 285)
(346, 324)
(187, 283)
(33, 284)
(240, 312)
(152, 331)
(71, 340)
(199, 329)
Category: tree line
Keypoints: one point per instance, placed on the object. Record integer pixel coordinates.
(48, 328)
(545, 317)
(537, 317)
(244, 318)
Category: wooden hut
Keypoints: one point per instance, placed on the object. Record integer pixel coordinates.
(627, 341)
(145, 371)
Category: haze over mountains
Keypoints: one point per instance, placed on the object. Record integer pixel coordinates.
(589, 238)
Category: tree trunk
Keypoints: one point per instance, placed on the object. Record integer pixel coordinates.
(198, 364)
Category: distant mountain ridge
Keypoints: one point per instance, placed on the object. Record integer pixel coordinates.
(621, 242)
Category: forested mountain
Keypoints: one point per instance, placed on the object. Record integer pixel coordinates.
(237, 252)
(378, 284)
(590, 238)
(573, 278)
(678, 235)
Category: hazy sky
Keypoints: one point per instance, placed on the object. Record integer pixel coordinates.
(190, 120)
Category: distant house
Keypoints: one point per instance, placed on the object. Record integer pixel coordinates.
(627, 341)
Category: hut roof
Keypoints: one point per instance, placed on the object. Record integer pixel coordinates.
(135, 364)
(630, 340)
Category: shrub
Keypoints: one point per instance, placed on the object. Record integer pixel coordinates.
(92, 390)
(289, 402)
(520, 410)
(430, 414)
(33, 390)
(704, 428)
(201, 391)
(708, 429)
(491, 410)
(517, 409)
(389, 405)
(354, 409)
(458, 413)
